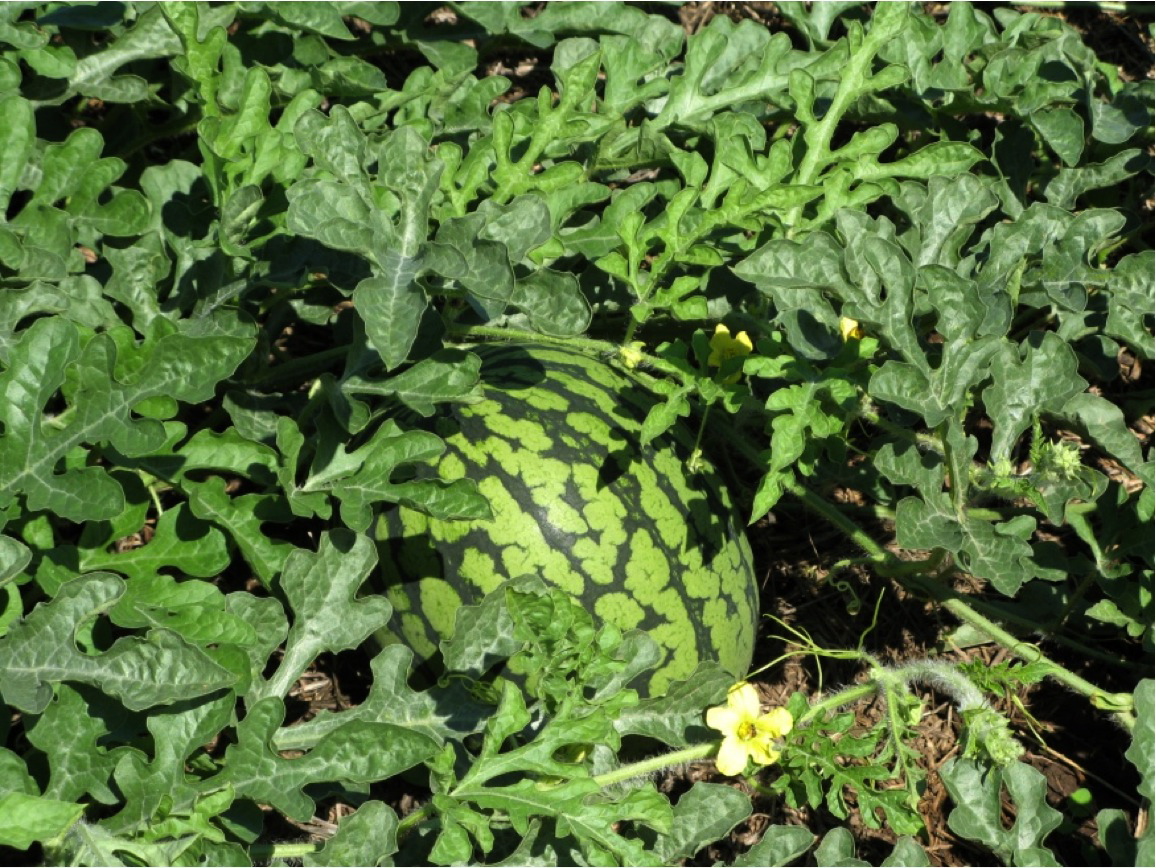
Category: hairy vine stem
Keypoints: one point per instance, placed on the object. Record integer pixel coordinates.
(1118, 704)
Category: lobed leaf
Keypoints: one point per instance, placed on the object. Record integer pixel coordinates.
(358, 752)
(141, 672)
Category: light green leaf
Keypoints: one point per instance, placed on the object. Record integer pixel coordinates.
(180, 541)
(75, 172)
(267, 618)
(238, 214)
(484, 634)
(358, 752)
(366, 837)
(976, 791)
(1104, 422)
(1142, 752)
(553, 302)
(226, 451)
(322, 590)
(242, 517)
(141, 673)
(907, 852)
(939, 158)
(26, 819)
(14, 558)
(704, 814)
(726, 64)
(447, 376)
(17, 141)
(676, 717)
(905, 464)
(321, 18)
(335, 143)
(150, 36)
(336, 214)
(361, 478)
(661, 417)
(837, 849)
(71, 732)
(779, 845)
(1131, 299)
(1063, 130)
(438, 713)
(927, 524)
(392, 306)
(177, 731)
(182, 367)
(194, 610)
(578, 809)
(1069, 184)
(1037, 377)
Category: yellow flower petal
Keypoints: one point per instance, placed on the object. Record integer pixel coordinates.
(744, 698)
(631, 356)
(762, 752)
(723, 347)
(732, 757)
(747, 733)
(723, 718)
(780, 719)
(850, 328)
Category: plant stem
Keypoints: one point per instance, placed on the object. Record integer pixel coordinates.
(1100, 5)
(298, 370)
(481, 331)
(1119, 704)
(645, 768)
(413, 818)
(832, 514)
(282, 852)
(838, 700)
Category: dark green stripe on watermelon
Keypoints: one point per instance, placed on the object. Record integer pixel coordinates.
(628, 531)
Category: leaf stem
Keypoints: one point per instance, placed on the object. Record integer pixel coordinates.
(1121, 6)
(832, 514)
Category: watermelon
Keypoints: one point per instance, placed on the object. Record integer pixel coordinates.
(627, 530)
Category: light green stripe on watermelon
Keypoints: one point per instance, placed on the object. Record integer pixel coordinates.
(554, 447)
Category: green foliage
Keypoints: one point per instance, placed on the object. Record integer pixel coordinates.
(245, 249)
(977, 792)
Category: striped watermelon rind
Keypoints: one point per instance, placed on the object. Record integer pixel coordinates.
(628, 531)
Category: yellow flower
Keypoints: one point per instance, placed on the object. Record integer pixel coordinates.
(631, 356)
(747, 733)
(850, 328)
(723, 347)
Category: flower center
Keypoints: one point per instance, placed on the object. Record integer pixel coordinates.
(746, 730)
